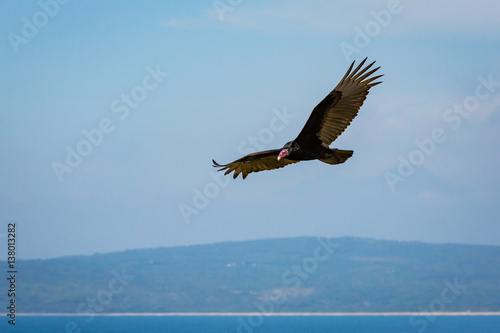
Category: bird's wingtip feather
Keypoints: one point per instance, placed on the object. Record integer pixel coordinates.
(217, 165)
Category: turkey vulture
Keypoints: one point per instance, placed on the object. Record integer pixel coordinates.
(327, 121)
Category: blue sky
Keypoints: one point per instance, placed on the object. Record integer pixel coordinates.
(147, 94)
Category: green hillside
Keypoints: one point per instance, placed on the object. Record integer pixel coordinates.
(280, 275)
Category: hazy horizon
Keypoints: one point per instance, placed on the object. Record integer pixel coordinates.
(111, 114)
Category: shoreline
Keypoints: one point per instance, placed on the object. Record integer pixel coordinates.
(339, 314)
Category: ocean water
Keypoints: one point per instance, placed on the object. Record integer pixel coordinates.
(258, 324)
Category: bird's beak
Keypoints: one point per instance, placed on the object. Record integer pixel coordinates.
(282, 154)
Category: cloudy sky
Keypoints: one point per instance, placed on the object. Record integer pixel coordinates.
(110, 114)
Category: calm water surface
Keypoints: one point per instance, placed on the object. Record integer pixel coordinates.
(258, 324)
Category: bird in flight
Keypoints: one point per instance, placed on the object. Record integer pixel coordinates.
(327, 121)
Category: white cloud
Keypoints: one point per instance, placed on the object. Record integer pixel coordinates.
(430, 197)
(465, 16)
(341, 17)
(489, 107)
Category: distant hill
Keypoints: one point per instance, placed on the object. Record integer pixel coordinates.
(280, 275)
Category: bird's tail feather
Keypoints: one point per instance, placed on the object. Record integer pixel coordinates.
(338, 156)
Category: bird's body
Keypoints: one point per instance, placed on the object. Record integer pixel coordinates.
(327, 121)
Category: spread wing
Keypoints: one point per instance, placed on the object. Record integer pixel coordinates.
(336, 111)
(255, 162)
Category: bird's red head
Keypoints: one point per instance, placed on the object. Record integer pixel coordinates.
(283, 153)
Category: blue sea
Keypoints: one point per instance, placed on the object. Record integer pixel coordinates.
(258, 324)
